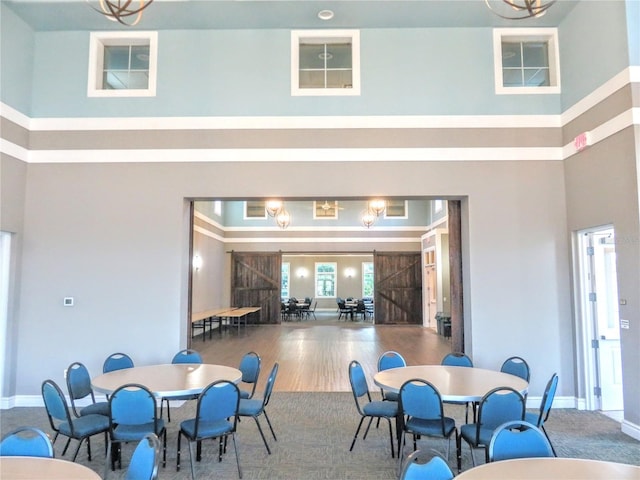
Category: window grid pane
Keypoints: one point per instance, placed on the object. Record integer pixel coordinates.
(126, 67)
(325, 65)
(284, 290)
(367, 279)
(525, 64)
(326, 280)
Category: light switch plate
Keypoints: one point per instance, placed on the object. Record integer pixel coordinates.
(68, 301)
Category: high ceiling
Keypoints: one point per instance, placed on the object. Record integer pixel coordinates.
(49, 15)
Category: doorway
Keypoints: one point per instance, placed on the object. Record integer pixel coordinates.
(599, 319)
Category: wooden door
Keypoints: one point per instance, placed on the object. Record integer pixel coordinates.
(398, 288)
(255, 282)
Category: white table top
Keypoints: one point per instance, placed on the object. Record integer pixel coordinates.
(552, 468)
(168, 380)
(37, 468)
(461, 384)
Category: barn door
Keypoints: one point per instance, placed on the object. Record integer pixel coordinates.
(255, 282)
(398, 288)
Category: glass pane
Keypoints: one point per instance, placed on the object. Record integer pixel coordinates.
(339, 79)
(140, 57)
(512, 77)
(116, 58)
(312, 79)
(138, 80)
(339, 55)
(115, 80)
(311, 56)
(535, 54)
(511, 55)
(536, 77)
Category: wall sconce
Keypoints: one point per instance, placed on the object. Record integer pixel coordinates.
(197, 262)
(283, 219)
(301, 272)
(274, 207)
(349, 272)
(368, 218)
(377, 206)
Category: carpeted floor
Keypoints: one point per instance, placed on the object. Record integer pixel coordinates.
(314, 432)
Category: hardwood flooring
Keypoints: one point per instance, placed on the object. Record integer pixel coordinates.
(314, 356)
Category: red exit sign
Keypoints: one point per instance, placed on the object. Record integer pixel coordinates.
(582, 141)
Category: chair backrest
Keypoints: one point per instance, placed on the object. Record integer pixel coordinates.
(187, 356)
(457, 359)
(358, 381)
(116, 361)
(516, 366)
(218, 401)
(26, 442)
(498, 406)
(132, 404)
(56, 405)
(547, 399)
(435, 469)
(518, 439)
(145, 459)
(78, 384)
(421, 399)
(390, 359)
(269, 386)
(250, 367)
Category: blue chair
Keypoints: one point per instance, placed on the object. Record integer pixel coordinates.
(518, 439)
(145, 459)
(216, 417)
(117, 361)
(423, 414)
(387, 360)
(498, 406)
(79, 388)
(371, 409)
(435, 469)
(183, 356)
(459, 359)
(63, 423)
(250, 368)
(251, 407)
(539, 419)
(132, 415)
(516, 366)
(26, 442)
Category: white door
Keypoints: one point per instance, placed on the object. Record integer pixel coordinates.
(605, 330)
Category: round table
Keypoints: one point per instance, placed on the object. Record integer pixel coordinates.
(541, 468)
(458, 384)
(38, 468)
(170, 380)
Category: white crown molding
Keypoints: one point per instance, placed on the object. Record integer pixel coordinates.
(323, 240)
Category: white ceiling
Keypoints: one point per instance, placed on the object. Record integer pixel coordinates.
(48, 15)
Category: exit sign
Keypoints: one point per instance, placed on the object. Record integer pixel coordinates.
(582, 141)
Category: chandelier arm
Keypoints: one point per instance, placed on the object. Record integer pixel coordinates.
(121, 11)
(532, 11)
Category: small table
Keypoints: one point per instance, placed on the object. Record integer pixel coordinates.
(543, 468)
(38, 468)
(239, 314)
(167, 381)
(455, 384)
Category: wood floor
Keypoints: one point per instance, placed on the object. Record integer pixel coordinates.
(314, 356)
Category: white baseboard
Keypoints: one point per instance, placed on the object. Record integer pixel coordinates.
(631, 429)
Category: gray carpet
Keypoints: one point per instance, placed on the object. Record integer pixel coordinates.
(314, 432)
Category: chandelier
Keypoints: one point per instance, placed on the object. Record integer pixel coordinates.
(283, 219)
(368, 218)
(273, 207)
(519, 9)
(377, 206)
(126, 12)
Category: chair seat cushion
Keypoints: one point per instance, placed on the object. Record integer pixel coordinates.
(244, 394)
(85, 426)
(424, 426)
(128, 433)
(391, 396)
(381, 408)
(99, 408)
(249, 407)
(206, 429)
(468, 432)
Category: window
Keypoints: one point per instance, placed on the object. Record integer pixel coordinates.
(526, 60)
(325, 209)
(326, 274)
(396, 209)
(122, 64)
(325, 62)
(284, 289)
(254, 210)
(437, 205)
(367, 279)
(217, 207)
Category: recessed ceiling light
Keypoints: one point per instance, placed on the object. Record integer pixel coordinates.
(325, 14)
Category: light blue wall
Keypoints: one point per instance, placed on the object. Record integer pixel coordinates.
(633, 31)
(16, 61)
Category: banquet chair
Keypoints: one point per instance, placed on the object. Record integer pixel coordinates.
(116, 361)
(538, 419)
(252, 407)
(516, 366)
(423, 414)
(250, 368)
(498, 406)
(26, 442)
(183, 356)
(132, 415)
(145, 459)
(372, 409)
(434, 469)
(387, 360)
(459, 359)
(311, 311)
(79, 388)
(344, 310)
(216, 417)
(63, 423)
(518, 439)
(360, 310)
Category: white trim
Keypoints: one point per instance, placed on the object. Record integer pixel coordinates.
(207, 219)
(631, 429)
(322, 240)
(325, 229)
(208, 233)
(14, 116)
(14, 150)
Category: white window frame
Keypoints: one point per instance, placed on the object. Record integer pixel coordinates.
(317, 206)
(335, 279)
(97, 42)
(399, 217)
(327, 36)
(245, 211)
(549, 35)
